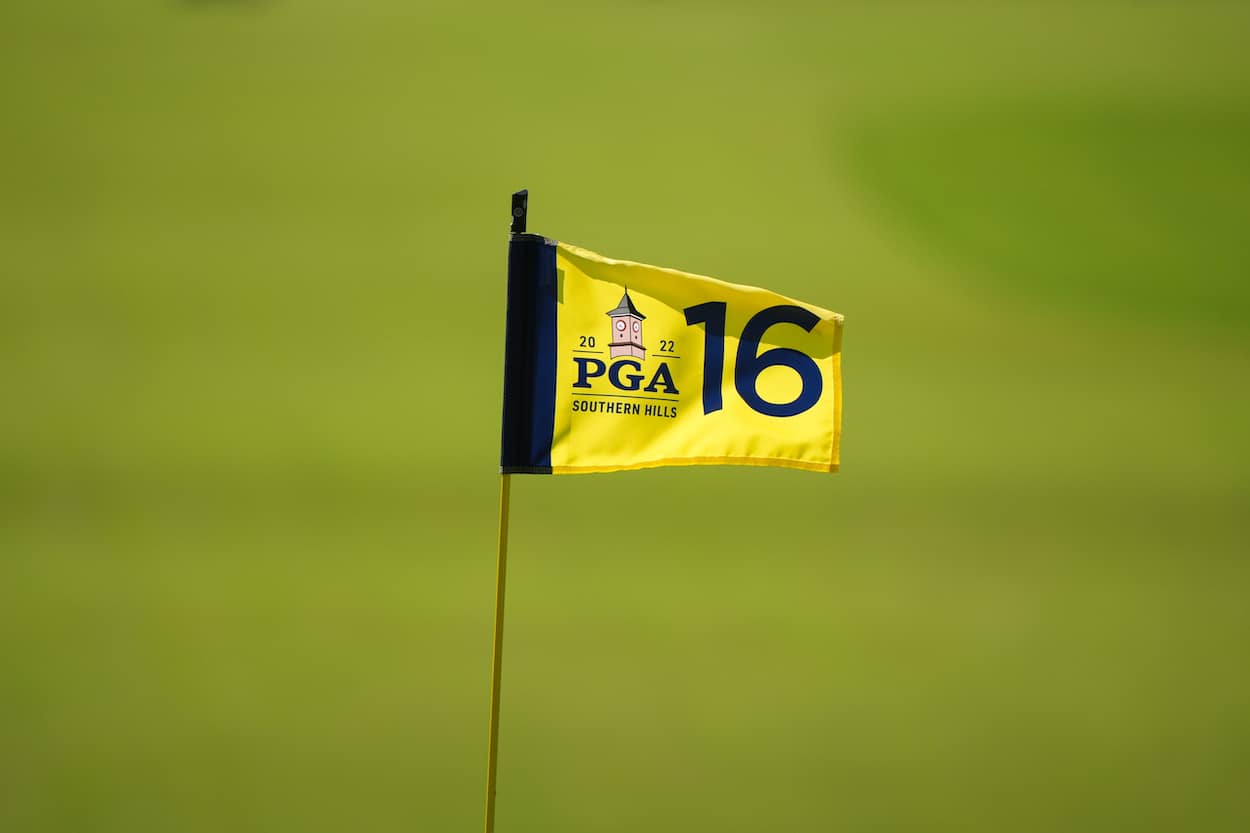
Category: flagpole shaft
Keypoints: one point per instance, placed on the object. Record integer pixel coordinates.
(501, 577)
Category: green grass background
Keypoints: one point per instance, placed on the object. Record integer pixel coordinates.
(251, 287)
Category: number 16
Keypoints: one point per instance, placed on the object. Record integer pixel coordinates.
(748, 366)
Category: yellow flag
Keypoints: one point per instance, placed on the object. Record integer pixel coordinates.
(612, 365)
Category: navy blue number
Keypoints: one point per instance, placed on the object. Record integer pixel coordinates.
(711, 314)
(749, 366)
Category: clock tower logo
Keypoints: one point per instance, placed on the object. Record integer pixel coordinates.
(618, 385)
(626, 330)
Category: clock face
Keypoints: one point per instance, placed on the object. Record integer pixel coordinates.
(637, 327)
(620, 325)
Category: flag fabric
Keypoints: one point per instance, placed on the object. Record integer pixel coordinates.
(612, 365)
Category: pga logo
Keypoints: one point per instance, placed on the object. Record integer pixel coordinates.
(588, 368)
(625, 348)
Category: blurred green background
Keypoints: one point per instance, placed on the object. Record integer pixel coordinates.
(251, 286)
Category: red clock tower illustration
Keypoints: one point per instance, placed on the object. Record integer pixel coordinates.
(626, 330)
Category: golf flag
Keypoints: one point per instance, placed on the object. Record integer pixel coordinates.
(612, 365)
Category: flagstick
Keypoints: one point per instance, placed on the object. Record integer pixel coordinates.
(520, 208)
(501, 575)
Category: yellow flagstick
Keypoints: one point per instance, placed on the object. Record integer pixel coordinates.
(520, 204)
(501, 576)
